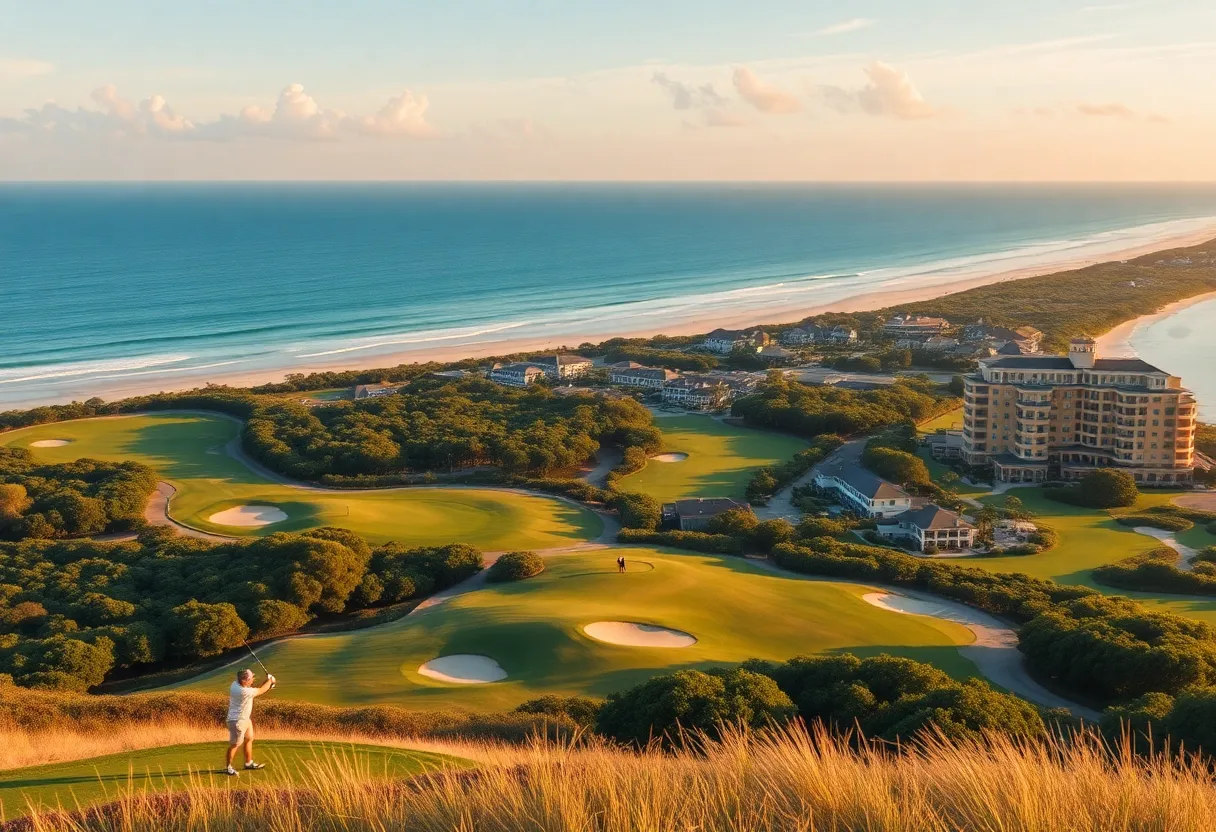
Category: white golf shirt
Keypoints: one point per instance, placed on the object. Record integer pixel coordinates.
(240, 702)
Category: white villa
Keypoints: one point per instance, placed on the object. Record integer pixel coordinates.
(931, 525)
(698, 392)
(520, 374)
(864, 493)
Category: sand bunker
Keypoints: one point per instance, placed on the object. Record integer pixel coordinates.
(463, 669)
(50, 443)
(248, 516)
(915, 606)
(629, 634)
(673, 457)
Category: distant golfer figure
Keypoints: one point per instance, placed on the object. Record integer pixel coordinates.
(240, 717)
(620, 564)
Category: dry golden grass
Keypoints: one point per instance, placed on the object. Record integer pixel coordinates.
(20, 748)
(787, 782)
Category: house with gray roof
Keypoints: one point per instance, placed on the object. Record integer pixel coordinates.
(930, 526)
(863, 492)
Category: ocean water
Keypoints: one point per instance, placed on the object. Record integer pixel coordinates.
(106, 288)
(1184, 344)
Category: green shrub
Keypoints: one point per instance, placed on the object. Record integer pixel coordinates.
(581, 710)
(515, 566)
(1101, 488)
(1157, 521)
(713, 544)
(692, 701)
(638, 511)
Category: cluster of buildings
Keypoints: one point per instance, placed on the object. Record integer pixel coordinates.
(1038, 418)
(557, 367)
(922, 332)
(691, 391)
(899, 515)
(809, 334)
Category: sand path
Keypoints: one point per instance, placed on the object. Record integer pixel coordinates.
(1186, 553)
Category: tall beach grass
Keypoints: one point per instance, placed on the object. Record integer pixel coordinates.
(789, 781)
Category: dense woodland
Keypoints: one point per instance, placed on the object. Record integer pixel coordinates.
(73, 499)
(72, 611)
(814, 410)
(441, 426)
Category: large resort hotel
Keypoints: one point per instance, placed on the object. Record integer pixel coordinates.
(1036, 418)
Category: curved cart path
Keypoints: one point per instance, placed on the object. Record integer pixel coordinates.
(995, 649)
(1186, 553)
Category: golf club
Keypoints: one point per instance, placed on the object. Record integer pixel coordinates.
(256, 659)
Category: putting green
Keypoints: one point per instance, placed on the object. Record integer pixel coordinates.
(950, 420)
(1091, 538)
(533, 628)
(721, 459)
(98, 780)
(188, 450)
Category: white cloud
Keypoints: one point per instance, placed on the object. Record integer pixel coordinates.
(845, 26)
(296, 116)
(890, 93)
(715, 117)
(762, 96)
(11, 70)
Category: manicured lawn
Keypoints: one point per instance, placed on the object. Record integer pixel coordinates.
(1090, 538)
(721, 459)
(951, 420)
(937, 469)
(102, 779)
(533, 629)
(188, 451)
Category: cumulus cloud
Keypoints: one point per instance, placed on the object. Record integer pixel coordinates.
(295, 116)
(687, 96)
(846, 26)
(22, 68)
(764, 97)
(890, 93)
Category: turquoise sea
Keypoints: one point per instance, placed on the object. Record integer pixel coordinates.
(106, 288)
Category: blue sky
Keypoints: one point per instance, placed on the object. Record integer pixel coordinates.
(770, 89)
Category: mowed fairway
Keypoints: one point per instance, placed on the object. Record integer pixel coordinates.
(189, 451)
(101, 779)
(533, 629)
(721, 459)
(1090, 538)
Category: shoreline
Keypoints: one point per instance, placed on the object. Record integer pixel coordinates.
(1117, 343)
(866, 299)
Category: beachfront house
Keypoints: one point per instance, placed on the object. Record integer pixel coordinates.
(930, 528)
(375, 391)
(563, 365)
(696, 514)
(1028, 339)
(632, 374)
(726, 341)
(773, 354)
(862, 492)
(1039, 418)
(800, 335)
(914, 326)
(841, 334)
(519, 374)
(939, 343)
(698, 392)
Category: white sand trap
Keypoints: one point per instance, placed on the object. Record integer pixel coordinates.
(50, 443)
(915, 606)
(463, 669)
(248, 516)
(673, 457)
(629, 634)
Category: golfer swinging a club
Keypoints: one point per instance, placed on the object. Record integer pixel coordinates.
(240, 717)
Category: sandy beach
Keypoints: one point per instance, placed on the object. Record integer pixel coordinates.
(684, 318)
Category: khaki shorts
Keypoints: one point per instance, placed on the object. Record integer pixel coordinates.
(239, 730)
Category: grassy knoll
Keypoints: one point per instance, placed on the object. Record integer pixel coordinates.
(533, 629)
(721, 459)
(1091, 538)
(188, 450)
(103, 779)
(950, 420)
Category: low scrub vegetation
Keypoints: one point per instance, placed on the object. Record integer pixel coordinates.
(72, 611)
(73, 499)
(515, 566)
(1157, 571)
